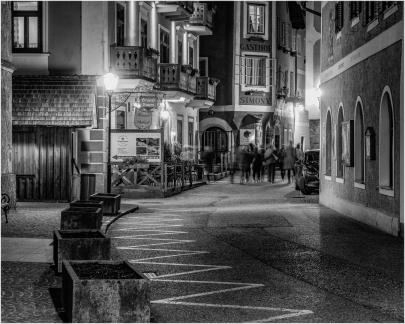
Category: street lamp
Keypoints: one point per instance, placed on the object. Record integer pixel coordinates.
(110, 84)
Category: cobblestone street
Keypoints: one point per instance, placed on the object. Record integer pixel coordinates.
(231, 253)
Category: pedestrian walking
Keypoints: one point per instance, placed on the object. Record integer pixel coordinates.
(246, 157)
(208, 158)
(289, 161)
(270, 161)
(257, 164)
(281, 156)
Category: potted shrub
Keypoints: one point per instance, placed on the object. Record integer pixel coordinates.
(81, 218)
(80, 245)
(111, 202)
(104, 292)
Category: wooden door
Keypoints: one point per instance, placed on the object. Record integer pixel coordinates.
(42, 163)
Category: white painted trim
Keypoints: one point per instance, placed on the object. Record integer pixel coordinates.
(386, 192)
(377, 44)
(390, 11)
(359, 185)
(7, 69)
(329, 178)
(388, 91)
(214, 122)
(340, 180)
(252, 108)
(355, 21)
(372, 25)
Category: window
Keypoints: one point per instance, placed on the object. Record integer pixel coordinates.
(355, 9)
(191, 131)
(120, 119)
(339, 145)
(359, 144)
(144, 33)
(164, 46)
(255, 71)
(256, 19)
(203, 66)
(191, 56)
(120, 25)
(180, 52)
(27, 29)
(180, 130)
(338, 16)
(328, 145)
(386, 143)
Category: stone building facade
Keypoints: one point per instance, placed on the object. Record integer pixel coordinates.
(361, 107)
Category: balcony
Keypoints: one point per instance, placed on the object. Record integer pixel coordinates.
(176, 10)
(201, 20)
(174, 77)
(206, 93)
(132, 62)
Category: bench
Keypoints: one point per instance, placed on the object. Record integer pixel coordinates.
(5, 205)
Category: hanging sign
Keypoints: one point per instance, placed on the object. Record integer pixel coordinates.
(246, 136)
(142, 118)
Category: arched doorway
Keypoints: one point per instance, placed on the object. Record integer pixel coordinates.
(215, 139)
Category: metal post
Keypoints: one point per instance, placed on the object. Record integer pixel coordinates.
(109, 145)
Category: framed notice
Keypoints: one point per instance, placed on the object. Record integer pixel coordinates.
(246, 136)
(129, 144)
(348, 143)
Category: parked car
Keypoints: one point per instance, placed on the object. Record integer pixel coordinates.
(307, 173)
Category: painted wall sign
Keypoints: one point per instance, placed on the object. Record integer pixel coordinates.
(255, 100)
(142, 118)
(255, 47)
(149, 101)
(131, 144)
(246, 136)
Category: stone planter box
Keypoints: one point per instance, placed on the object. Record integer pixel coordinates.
(111, 203)
(81, 218)
(104, 292)
(86, 203)
(80, 245)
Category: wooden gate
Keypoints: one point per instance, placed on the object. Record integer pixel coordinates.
(42, 163)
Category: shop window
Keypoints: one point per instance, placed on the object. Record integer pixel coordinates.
(355, 9)
(254, 71)
(386, 143)
(339, 144)
(256, 18)
(191, 131)
(164, 46)
(27, 26)
(328, 145)
(120, 21)
(180, 130)
(338, 16)
(359, 145)
(191, 56)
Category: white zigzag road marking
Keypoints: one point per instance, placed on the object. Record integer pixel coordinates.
(179, 300)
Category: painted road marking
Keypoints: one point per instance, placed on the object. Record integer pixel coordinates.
(180, 300)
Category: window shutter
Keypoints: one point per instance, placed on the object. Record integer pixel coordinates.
(242, 70)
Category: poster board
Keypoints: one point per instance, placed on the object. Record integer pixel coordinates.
(142, 144)
(246, 136)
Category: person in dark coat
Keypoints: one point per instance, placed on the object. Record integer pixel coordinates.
(270, 161)
(289, 160)
(246, 157)
(257, 164)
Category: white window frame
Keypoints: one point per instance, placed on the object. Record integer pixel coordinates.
(246, 34)
(268, 77)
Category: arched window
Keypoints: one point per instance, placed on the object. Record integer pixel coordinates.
(359, 144)
(386, 142)
(328, 145)
(339, 160)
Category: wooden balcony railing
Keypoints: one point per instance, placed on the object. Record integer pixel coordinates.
(131, 62)
(173, 78)
(201, 15)
(206, 88)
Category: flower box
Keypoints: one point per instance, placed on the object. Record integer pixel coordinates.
(80, 245)
(104, 292)
(111, 203)
(86, 203)
(81, 218)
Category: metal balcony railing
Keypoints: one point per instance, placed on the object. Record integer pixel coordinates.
(132, 62)
(201, 15)
(173, 78)
(206, 88)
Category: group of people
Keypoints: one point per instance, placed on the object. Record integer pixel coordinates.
(257, 161)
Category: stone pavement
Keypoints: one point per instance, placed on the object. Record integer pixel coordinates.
(226, 253)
